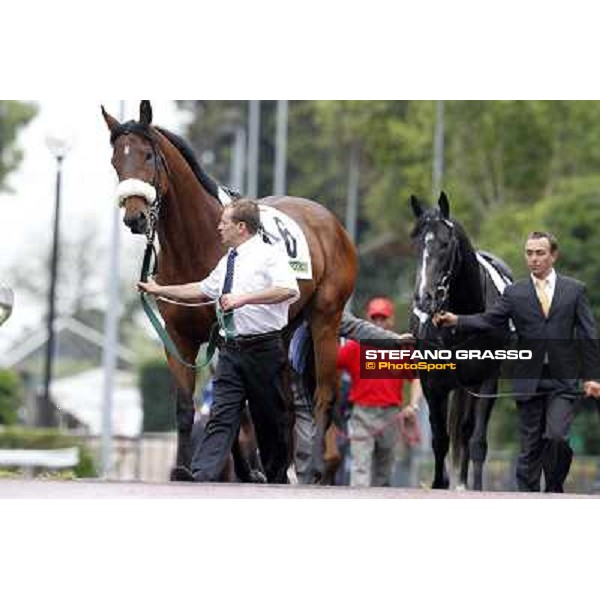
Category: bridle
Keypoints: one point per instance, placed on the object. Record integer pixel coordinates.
(149, 191)
(442, 289)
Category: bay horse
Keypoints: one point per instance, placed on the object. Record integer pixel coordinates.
(168, 190)
(452, 276)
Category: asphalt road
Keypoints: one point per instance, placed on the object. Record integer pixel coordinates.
(92, 489)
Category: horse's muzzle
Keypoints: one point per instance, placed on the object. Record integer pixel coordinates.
(137, 224)
(426, 304)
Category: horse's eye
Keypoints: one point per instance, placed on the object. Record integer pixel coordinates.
(148, 156)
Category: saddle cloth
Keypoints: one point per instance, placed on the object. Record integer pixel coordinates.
(282, 231)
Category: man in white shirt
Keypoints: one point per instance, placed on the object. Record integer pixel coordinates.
(255, 281)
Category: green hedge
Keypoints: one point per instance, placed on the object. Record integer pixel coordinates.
(49, 439)
(11, 397)
(156, 389)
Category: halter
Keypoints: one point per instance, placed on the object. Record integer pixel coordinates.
(151, 193)
(442, 289)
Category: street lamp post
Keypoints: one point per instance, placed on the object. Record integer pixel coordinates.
(59, 149)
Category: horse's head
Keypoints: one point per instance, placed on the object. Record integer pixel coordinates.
(436, 240)
(141, 168)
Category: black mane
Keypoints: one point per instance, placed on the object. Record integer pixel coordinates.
(209, 184)
(143, 130)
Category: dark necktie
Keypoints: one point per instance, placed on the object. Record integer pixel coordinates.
(229, 272)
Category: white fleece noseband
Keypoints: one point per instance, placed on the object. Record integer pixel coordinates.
(135, 187)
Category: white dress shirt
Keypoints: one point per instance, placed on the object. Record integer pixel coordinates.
(258, 266)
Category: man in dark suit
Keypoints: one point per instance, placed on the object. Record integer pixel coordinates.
(552, 317)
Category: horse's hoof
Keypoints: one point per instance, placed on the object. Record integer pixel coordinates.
(180, 473)
(317, 478)
(444, 484)
(461, 487)
(257, 476)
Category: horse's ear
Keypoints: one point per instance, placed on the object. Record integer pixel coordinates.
(417, 207)
(110, 120)
(145, 112)
(444, 205)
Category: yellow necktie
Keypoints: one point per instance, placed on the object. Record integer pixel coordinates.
(542, 294)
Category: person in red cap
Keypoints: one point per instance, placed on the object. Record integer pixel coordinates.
(376, 407)
(381, 309)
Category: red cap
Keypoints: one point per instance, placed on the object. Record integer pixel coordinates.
(380, 307)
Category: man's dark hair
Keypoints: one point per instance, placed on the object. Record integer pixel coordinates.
(538, 235)
(246, 211)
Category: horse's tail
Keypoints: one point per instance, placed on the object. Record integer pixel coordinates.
(460, 404)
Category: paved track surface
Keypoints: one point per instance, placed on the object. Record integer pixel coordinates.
(90, 489)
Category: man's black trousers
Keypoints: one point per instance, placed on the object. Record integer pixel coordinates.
(544, 423)
(255, 372)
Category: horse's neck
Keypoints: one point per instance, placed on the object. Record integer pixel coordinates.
(187, 228)
(466, 294)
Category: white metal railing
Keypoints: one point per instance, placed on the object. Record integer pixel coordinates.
(61, 458)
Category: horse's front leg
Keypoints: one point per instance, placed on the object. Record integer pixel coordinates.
(478, 442)
(465, 405)
(440, 440)
(184, 379)
(324, 328)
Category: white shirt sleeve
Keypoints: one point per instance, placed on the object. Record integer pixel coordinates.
(281, 273)
(211, 286)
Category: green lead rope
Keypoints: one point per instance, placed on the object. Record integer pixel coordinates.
(224, 324)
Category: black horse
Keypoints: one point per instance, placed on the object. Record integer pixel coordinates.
(451, 275)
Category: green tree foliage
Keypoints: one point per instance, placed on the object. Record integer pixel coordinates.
(394, 142)
(13, 117)
(11, 397)
(571, 213)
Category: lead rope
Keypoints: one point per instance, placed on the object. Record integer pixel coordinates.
(224, 324)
